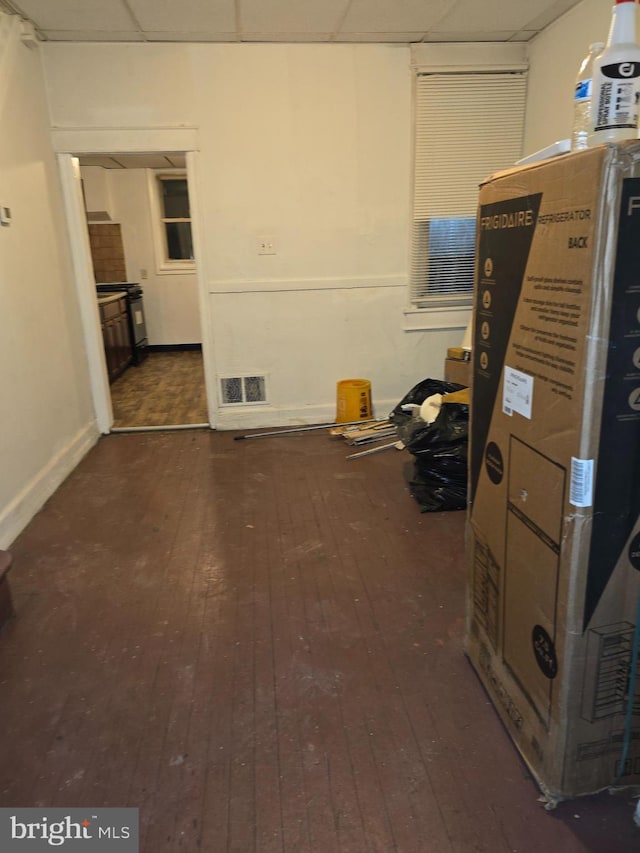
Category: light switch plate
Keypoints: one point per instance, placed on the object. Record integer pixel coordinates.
(5, 215)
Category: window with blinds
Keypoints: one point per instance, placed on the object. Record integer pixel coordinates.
(467, 125)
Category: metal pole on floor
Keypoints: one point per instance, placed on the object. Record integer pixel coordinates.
(397, 444)
(301, 429)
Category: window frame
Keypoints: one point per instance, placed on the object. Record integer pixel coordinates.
(164, 264)
(431, 202)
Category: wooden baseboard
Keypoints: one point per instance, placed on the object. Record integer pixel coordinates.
(16, 514)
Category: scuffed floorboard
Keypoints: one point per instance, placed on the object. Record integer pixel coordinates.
(260, 645)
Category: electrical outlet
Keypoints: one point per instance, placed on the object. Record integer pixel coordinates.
(143, 275)
(5, 215)
(267, 245)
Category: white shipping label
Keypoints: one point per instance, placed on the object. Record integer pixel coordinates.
(517, 393)
(617, 97)
(138, 317)
(581, 489)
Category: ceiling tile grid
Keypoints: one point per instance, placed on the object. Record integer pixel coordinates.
(399, 21)
(189, 16)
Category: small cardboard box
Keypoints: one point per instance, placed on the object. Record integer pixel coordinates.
(554, 530)
(459, 353)
(457, 371)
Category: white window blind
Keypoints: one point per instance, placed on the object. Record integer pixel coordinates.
(467, 125)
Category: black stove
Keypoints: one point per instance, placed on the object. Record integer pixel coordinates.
(135, 313)
(132, 288)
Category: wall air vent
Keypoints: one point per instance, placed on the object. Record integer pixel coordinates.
(242, 390)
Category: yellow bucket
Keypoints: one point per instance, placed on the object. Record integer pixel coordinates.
(353, 400)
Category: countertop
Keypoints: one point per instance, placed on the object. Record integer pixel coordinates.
(111, 297)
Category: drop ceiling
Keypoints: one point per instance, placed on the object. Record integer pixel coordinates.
(401, 21)
(134, 161)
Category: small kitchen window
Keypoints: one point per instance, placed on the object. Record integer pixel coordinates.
(174, 241)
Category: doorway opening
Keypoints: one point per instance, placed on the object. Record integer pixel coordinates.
(137, 215)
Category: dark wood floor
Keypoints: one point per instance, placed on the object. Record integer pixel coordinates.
(259, 644)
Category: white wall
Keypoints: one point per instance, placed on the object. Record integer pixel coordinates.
(170, 298)
(309, 144)
(96, 190)
(46, 413)
(555, 56)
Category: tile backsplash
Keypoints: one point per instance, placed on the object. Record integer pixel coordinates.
(107, 252)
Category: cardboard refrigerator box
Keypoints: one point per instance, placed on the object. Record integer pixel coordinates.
(554, 533)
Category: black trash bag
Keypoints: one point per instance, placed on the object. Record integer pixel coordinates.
(447, 437)
(439, 478)
(433, 496)
(418, 394)
(443, 467)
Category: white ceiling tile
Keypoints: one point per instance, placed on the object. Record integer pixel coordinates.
(101, 160)
(291, 16)
(87, 15)
(291, 20)
(393, 38)
(385, 16)
(472, 35)
(495, 15)
(539, 20)
(524, 35)
(187, 16)
(200, 36)
(93, 35)
(148, 161)
(134, 161)
(286, 37)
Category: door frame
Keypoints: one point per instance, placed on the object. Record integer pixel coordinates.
(68, 144)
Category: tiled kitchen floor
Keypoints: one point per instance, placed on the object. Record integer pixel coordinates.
(166, 389)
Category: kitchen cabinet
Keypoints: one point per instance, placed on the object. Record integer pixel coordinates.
(115, 333)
